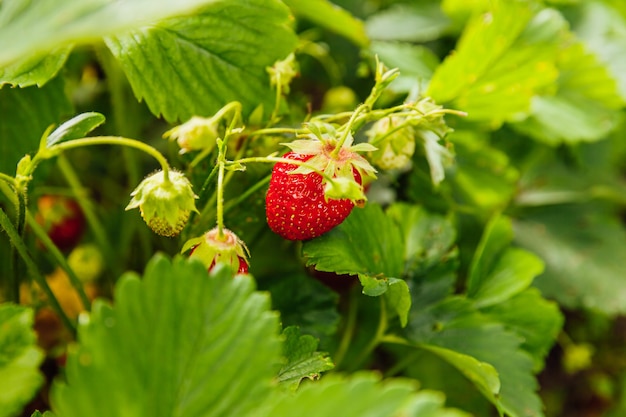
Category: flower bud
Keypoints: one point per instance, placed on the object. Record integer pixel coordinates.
(198, 133)
(211, 249)
(282, 72)
(395, 143)
(164, 203)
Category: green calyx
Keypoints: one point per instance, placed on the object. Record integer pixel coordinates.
(395, 140)
(337, 167)
(198, 133)
(165, 205)
(211, 248)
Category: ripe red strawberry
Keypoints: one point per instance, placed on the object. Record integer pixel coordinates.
(301, 203)
(62, 219)
(295, 204)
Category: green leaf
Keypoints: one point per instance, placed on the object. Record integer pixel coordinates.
(19, 359)
(178, 342)
(456, 325)
(303, 359)
(583, 248)
(408, 22)
(34, 70)
(395, 291)
(428, 237)
(537, 320)
(327, 15)
(483, 375)
(208, 59)
(360, 395)
(37, 413)
(483, 175)
(367, 243)
(586, 104)
(75, 128)
(498, 272)
(28, 29)
(603, 29)
(27, 114)
(503, 58)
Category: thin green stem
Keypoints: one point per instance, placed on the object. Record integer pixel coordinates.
(347, 130)
(275, 130)
(279, 93)
(59, 258)
(378, 336)
(7, 178)
(220, 200)
(116, 140)
(95, 225)
(350, 327)
(18, 244)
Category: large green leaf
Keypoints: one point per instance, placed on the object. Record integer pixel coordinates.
(367, 243)
(19, 359)
(503, 58)
(583, 249)
(498, 272)
(416, 63)
(456, 325)
(332, 17)
(194, 65)
(534, 318)
(27, 113)
(28, 29)
(178, 342)
(586, 104)
(361, 395)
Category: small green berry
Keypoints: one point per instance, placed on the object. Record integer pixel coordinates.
(164, 203)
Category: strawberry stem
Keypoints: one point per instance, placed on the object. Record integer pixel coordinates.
(348, 128)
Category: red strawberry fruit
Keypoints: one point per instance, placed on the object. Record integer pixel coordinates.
(301, 203)
(62, 219)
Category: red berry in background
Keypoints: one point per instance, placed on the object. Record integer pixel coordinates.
(62, 219)
(295, 204)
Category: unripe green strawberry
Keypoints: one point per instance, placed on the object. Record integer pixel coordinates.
(395, 142)
(211, 249)
(198, 133)
(300, 203)
(165, 204)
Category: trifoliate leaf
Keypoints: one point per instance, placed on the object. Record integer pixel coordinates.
(332, 17)
(28, 113)
(34, 70)
(177, 342)
(503, 58)
(497, 271)
(194, 65)
(586, 104)
(360, 395)
(537, 320)
(19, 359)
(75, 128)
(303, 359)
(351, 248)
(421, 22)
(583, 249)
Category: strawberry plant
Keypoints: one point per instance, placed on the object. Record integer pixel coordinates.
(383, 208)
